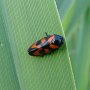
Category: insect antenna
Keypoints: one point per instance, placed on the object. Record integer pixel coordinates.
(46, 34)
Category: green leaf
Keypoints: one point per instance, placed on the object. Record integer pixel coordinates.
(63, 7)
(72, 24)
(83, 54)
(25, 22)
(76, 11)
(8, 76)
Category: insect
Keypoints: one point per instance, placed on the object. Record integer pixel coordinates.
(46, 45)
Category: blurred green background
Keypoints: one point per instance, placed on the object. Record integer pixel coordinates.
(75, 16)
(22, 22)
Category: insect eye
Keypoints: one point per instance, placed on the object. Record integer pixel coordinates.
(59, 40)
(53, 40)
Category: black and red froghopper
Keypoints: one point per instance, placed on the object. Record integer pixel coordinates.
(46, 45)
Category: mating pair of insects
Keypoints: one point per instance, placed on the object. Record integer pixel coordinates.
(46, 45)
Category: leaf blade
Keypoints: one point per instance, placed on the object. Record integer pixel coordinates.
(26, 26)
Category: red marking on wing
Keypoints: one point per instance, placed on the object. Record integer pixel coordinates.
(46, 50)
(37, 53)
(50, 39)
(35, 45)
(43, 40)
(38, 46)
(53, 46)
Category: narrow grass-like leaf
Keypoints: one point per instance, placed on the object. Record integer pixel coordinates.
(83, 55)
(77, 10)
(63, 7)
(8, 76)
(26, 21)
